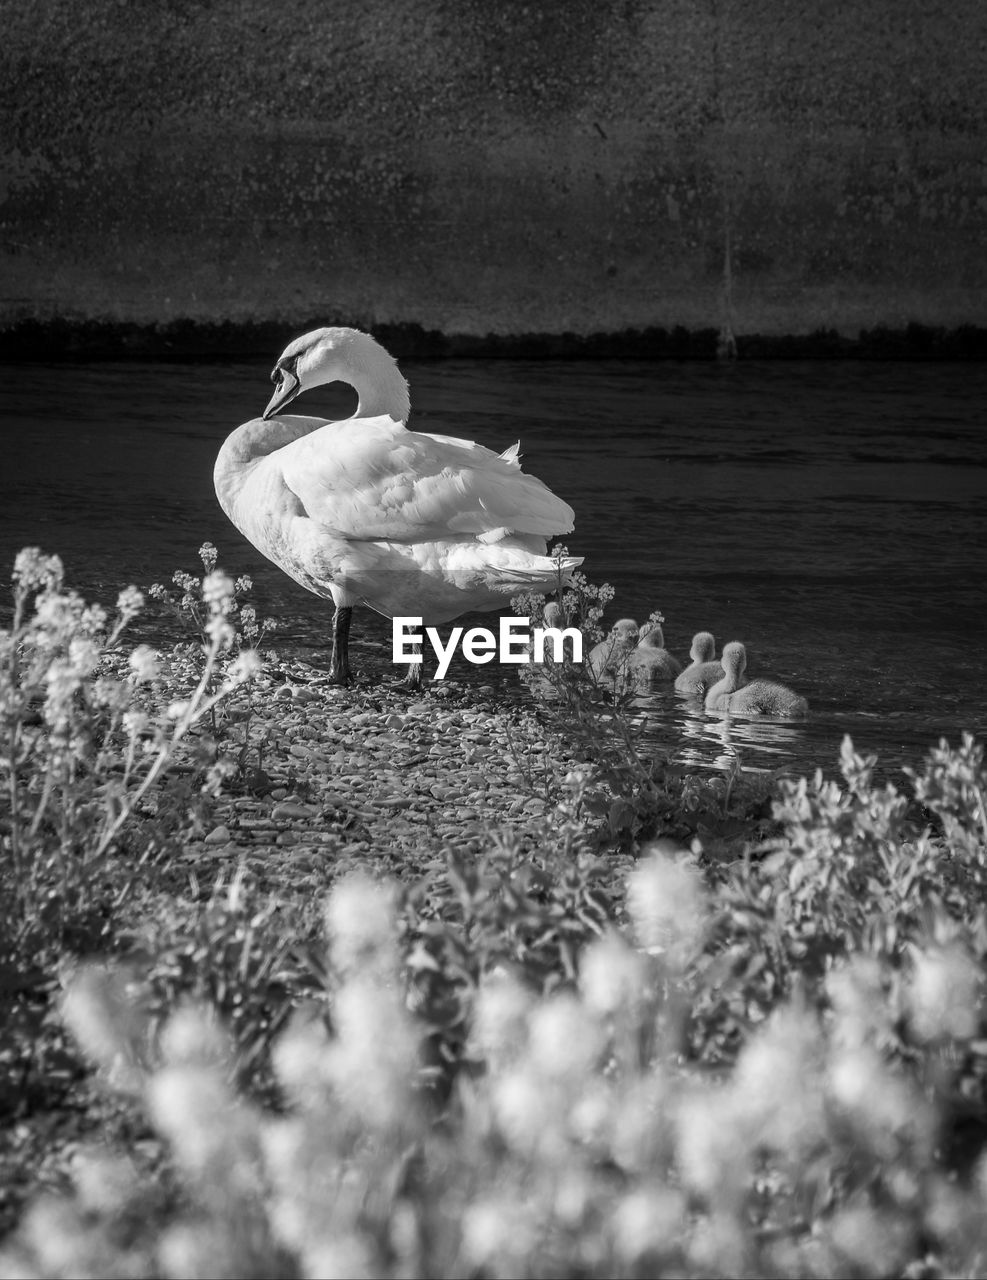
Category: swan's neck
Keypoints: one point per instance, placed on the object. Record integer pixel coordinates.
(259, 437)
(380, 388)
(247, 445)
(730, 683)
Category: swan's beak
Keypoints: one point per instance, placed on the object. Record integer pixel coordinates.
(288, 388)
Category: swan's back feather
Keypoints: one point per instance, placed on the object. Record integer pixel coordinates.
(698, 677)
(372, 479)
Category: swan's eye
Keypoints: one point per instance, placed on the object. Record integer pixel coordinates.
(284, 369)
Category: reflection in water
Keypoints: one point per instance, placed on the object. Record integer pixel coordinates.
(679, 724)
(829, 516)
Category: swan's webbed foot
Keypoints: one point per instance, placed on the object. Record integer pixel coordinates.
(413, 680)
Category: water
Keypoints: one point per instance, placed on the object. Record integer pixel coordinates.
(832, 516)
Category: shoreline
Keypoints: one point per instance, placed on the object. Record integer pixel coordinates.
(377, 778)
(73, 338)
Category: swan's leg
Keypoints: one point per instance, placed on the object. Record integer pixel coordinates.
(339, 663)
(413, 680)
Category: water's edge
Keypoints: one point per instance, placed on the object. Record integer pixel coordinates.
(83, 338)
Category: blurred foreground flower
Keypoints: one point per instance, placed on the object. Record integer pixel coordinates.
(945, 994)
(666, 902)
(362, 926)
(145, 663)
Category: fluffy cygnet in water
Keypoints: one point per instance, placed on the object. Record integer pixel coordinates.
(651, 663)
(757, 698)
(609, 657)
(703, 671)
(551, 617)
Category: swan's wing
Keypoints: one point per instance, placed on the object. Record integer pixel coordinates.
(371, 479)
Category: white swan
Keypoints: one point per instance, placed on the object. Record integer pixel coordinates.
(756, 698)
(609, 657)
(364, 511)
(703, 671)
(651, 663)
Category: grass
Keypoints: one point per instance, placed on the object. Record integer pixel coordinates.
(680, 1024)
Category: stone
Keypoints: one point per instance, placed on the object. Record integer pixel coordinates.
(292, 809)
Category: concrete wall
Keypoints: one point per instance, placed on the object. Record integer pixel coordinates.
(495, 165)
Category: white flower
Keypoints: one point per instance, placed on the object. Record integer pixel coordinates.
(945, 994)
(360, 922)
(83, 654)
(93, 619)
(666, 902)
(777, 1081)
(62, 680)
(299, 1058)
(856, 992)
(500, 1018)
(488, 1230)
(373, 1060)
(193, 1108)
(220, 632)
(713, 1149)
(130, 602)
(648, 1220)
(883, 1105)
(217, 589)
(564, 1038)
(612, 976)
(247, 666)
(136, 723)
(104, 1182)
(144, 662)
(497, 1228)
(107, 1019)
(34, 569)
(193, 1036)
(526, 1108)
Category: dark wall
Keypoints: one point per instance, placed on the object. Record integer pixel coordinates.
(479, 166)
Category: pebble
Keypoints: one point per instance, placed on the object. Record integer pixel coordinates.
(355, 781)
(292, 809)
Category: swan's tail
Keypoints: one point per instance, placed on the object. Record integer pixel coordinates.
(536, 570)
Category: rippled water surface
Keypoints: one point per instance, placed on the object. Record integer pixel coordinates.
(831, 516)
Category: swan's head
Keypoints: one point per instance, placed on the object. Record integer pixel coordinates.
(335, 355)
(625, 633)
(651, 636)
(703, 647)
(553, 615)
(734, 658)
